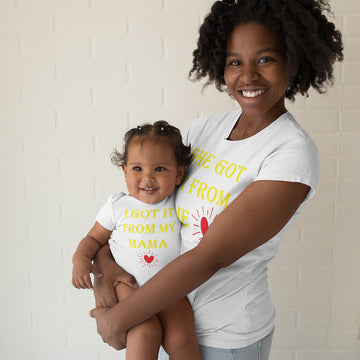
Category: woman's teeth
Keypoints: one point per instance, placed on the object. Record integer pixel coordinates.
(251, 94)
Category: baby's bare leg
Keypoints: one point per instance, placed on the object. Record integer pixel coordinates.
(179, 331)
(143, 341)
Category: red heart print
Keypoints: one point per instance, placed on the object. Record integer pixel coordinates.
(204, 225)
(149, 259)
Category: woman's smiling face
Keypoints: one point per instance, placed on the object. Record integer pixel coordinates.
(256, 72)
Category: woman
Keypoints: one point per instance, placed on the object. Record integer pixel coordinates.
(252, 172)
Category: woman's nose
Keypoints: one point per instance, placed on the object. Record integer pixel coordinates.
(249, 73)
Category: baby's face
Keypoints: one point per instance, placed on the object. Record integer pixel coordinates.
(151, 172)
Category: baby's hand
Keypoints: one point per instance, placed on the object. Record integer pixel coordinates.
(82, 267)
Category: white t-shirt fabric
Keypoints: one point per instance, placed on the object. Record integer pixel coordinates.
(145, 237)
(233, 308)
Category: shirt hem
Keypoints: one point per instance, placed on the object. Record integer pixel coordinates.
(212, 342)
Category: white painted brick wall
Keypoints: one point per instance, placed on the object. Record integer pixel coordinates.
(74, 76)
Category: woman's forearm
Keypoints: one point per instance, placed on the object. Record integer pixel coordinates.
(113, 321)
(158, 292)
(164, 288)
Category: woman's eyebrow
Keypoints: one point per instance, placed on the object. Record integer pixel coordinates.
(230, 53)
(267, 49)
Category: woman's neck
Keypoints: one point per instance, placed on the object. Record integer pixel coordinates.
(248, 125)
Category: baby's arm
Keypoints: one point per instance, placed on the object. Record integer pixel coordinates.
(97, 237)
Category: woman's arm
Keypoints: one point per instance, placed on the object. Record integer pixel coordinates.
(253, 218)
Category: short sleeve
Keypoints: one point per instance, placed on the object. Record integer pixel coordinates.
(294, 161)
(107, 215)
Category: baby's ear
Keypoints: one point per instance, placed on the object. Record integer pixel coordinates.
(180, 174)
(124, 167)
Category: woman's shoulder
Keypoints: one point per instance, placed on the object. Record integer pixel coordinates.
(292, 131)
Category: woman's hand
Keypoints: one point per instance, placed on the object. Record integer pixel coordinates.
(104, 287)
(107, 329)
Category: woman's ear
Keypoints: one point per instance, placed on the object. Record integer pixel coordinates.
(293, 68)
(180, 174)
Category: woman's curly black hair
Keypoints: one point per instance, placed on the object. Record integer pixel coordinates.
(159, 131)
(312, 42)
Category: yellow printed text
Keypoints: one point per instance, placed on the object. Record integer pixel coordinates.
(229, 170)
(165, 227)
(202, 158)
(143, 214)
(147, 244)
(139, 228)
(183, 214)
(211, 194)
(168, 212)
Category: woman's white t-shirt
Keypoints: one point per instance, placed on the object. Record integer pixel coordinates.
(233, 309)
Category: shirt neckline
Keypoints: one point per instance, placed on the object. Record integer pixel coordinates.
(235, 118)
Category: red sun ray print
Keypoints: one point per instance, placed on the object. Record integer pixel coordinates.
(148, 259)
(201, 221)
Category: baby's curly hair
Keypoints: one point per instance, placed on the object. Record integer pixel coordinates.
(159, 131)
(312, 42)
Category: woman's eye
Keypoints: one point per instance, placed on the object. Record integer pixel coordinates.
(265, 60)
(234, 63)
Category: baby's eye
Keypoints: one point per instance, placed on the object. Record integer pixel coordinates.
(160, 168)
(137, 168)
